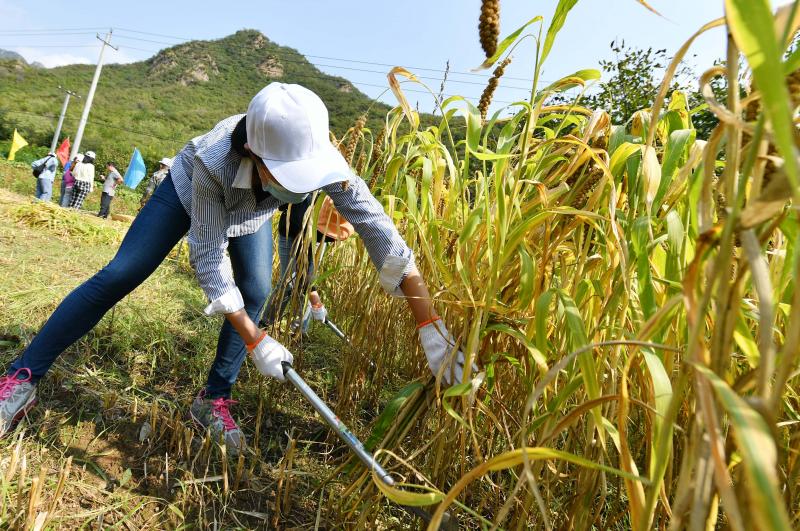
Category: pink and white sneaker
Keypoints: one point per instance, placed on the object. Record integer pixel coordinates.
(214, 415)
(17, 396)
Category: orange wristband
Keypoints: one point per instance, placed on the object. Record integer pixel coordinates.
(254, 345)
(429, 321)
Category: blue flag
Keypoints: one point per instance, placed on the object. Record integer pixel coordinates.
(136, 170)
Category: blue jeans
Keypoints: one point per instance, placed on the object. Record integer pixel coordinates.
(155, 231)
(251, 260)
(44, 189)
(66, 195)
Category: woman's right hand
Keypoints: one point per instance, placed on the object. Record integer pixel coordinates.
(268, 355)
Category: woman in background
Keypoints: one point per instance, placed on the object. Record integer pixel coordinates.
(44, 170)
(156, 179)
(68, 181)
(84, 180)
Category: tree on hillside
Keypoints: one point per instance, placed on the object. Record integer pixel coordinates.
(633, 79)
(5, 125)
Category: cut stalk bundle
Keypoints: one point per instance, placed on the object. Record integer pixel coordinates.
(66, 223)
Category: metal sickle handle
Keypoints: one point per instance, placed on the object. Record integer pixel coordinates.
(335, 330)
(333, 421)
(352, 441)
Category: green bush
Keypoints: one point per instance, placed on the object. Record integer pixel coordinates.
(27, 154)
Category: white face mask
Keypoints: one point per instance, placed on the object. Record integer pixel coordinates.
(282, 194)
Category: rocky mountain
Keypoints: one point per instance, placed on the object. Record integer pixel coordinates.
(13, 56)
(8, 55)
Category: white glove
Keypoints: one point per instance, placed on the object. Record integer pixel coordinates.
(319, 313)
(268, 355)
(438, 345)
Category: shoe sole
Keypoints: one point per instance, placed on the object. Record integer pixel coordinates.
(20, 414)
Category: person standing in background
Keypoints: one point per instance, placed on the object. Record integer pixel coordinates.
(44, 170)
(110, 183)
(156, 179)
(331, 227)
(84, 180)
(68, 181)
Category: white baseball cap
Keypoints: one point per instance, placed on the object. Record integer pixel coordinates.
(166, 162)
(287, 126)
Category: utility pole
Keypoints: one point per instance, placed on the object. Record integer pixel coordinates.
(68, 93)
(88, 105)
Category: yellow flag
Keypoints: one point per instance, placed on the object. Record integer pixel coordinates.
(17, 143)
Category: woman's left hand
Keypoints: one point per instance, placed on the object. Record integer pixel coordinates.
(438, 345)
(319, 313)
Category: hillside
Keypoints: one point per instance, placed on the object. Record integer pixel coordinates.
(158, 104)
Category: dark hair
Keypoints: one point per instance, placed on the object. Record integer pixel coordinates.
(112, 164)
(88, 160)
(239, 137)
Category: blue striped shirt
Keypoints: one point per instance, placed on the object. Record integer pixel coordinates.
(203, 174)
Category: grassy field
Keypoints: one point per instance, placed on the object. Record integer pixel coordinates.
(139, 370)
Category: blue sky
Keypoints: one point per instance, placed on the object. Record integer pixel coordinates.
(416, 34)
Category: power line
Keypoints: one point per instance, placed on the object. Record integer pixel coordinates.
(324, 75)
(149, 40)
(328, 58)
(350, 68)
(287, 60)
(476, 74)
(135, 131)
(318, 65)
(126, 47)
(483, 76)
(17, 45)
(154, 34)
(54, 30)
(327, 77)
(186, 39)
(46, 33)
